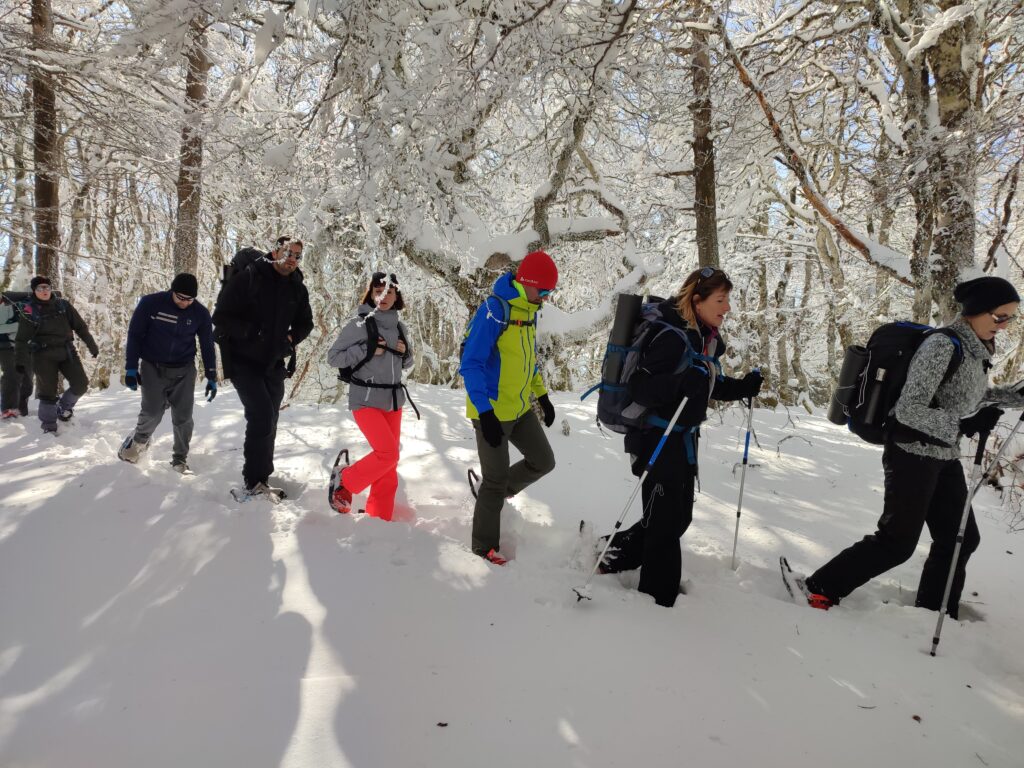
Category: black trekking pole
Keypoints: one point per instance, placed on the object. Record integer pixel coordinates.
(743, 477)
(583, 593)
(976, 484)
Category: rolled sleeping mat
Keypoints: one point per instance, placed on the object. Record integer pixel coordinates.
(627, 311)
(854, 363)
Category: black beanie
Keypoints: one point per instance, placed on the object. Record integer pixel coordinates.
(39, 280)
(186, 285)
(983, 294)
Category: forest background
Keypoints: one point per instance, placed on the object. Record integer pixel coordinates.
(846, 163)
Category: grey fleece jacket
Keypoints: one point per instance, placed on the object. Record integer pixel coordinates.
(957, 398)
(350, 348)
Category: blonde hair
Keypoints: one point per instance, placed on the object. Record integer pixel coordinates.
(699, 283)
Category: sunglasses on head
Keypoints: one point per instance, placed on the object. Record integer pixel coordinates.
(1002, 319)
(707, 272)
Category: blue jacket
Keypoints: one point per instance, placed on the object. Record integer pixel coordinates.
(162, 334)
(499, 362)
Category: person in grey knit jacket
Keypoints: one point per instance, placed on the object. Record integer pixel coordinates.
(375, 394)
(924, 480)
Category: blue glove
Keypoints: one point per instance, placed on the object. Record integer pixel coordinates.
(211, 390)
(132, 379)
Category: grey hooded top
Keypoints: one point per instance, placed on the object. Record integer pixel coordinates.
(350, 347)
(958, 398)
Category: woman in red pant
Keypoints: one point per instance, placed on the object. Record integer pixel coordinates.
(374, 346)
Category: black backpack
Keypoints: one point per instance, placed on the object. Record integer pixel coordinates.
(370, 325)
(637, 324)
(872, 377)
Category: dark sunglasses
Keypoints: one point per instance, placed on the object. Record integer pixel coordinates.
(182, 297)
(1002, 319)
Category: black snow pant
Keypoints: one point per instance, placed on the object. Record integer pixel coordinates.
(918, 490)
(261, 392)
(652, 544)
(15, 388)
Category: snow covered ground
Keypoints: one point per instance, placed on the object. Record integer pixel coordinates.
(148, 620)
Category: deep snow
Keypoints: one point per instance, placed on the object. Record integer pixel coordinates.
(148, 620)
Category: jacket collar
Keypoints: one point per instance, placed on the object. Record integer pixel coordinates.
(972, 344)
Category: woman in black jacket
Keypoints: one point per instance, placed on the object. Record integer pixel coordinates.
(680, 361)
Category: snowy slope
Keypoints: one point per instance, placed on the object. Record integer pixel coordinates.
(146, 619)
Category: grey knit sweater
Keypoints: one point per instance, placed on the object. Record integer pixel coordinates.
(957, 398)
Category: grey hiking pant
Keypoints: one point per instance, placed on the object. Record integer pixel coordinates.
(500, 480)
(166, 387)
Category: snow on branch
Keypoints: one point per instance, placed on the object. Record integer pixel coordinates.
(880, 256)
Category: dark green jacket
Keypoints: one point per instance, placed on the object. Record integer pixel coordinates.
(50, 325)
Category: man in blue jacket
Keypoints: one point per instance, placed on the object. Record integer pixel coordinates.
(163, 333)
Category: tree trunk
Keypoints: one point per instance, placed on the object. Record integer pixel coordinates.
(704, 201)
(45, 149)
(190, 173)
(956, 181)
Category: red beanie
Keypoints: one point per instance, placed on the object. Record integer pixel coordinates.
(537, 269)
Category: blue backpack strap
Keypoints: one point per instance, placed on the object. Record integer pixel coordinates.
(958, 352)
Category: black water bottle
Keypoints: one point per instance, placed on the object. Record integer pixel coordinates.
(854, 363)
(872, 415)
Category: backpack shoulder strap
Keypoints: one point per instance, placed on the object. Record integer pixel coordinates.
(958, 352)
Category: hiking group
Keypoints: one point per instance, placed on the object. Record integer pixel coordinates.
(661, 371)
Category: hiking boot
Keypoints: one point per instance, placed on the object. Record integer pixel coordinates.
(271, 494)
(131, 449)
(819, 601)
(65, 414)
(9, 413)
(494, 557)
(341, 499)
(180, 466)
(814, 598)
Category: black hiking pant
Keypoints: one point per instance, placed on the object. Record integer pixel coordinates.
(918, 491)
(652, 544)
(261, 392)
(15, 388)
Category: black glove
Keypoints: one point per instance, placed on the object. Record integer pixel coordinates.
(549, 410)
(491, 429)
(750, 385)
(983, 421)
(694, 382)
(20, 369)
(94, 351)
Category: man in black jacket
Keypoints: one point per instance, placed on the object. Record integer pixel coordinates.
(262, 314)
(45, 342)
